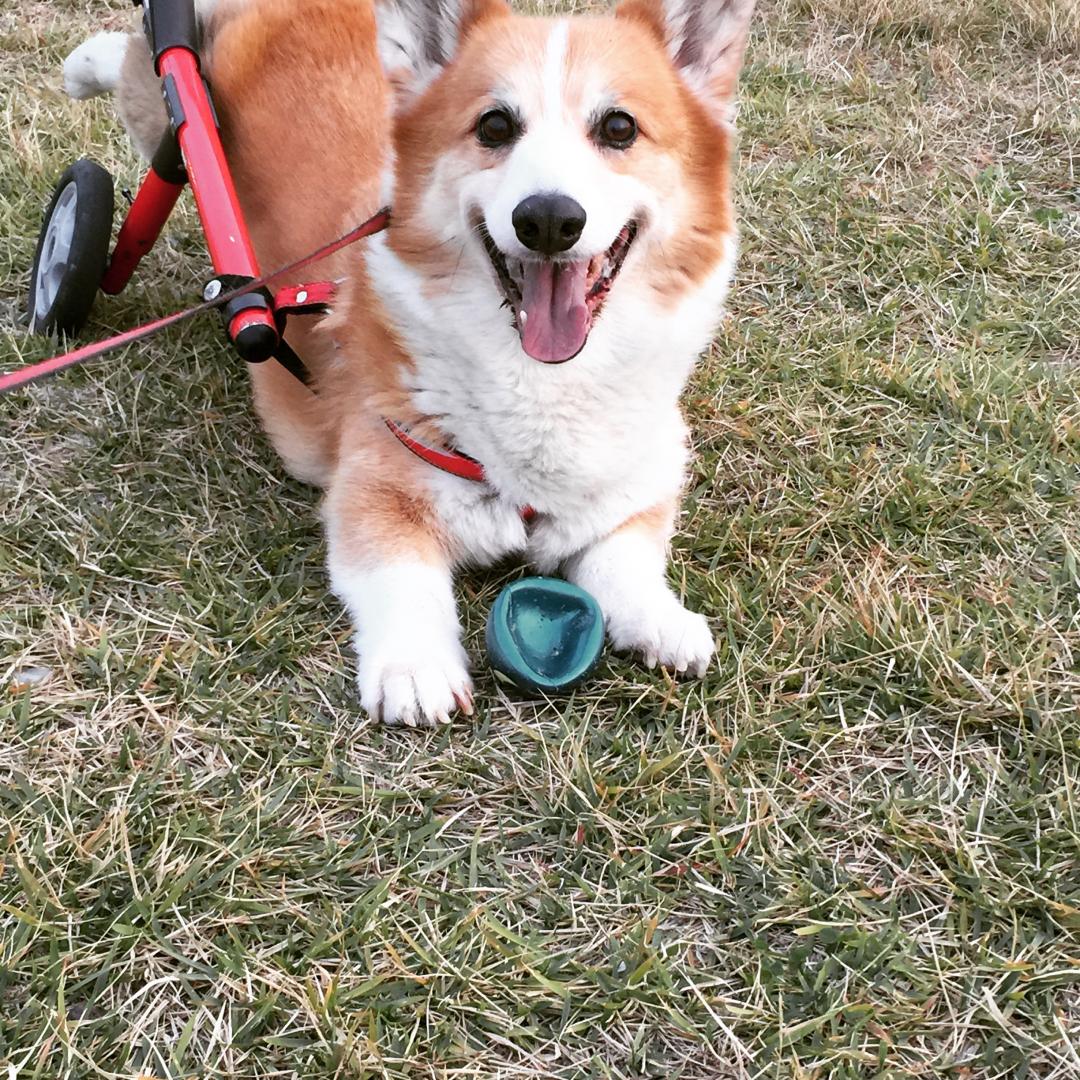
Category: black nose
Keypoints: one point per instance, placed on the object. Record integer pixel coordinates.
(549, 223)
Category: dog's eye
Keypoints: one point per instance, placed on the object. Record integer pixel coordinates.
(496, 128)
(617, 129)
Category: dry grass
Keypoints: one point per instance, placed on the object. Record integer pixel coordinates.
(852, 851)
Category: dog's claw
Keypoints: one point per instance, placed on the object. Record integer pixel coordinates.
(401, 688)
(665, 635)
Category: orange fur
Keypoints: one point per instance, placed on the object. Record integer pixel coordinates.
(305, 121)
(681, 142)
(658, 521)
(649, 14)
(304, 116)
(676, 130)
(305, 111)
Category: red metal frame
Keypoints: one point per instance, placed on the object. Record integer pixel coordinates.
(211, 182)
(145, 219)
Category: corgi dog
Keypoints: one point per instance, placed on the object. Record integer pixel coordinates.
(561, 243)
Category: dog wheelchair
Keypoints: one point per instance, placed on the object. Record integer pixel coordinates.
(73, 261)
(542, 634)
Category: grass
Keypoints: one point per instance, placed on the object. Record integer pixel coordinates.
(853, 850)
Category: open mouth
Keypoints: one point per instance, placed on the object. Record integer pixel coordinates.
(554, 301)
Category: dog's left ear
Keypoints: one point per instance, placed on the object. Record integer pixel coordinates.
(704, 38)
(418, 38)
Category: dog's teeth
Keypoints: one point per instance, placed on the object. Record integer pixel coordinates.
(524, 317)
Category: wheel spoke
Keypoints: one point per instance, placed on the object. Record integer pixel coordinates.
(55, 252)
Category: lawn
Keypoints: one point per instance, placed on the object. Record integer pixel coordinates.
(853, 850)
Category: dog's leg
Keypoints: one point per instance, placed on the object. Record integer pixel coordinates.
(118, 63)
(94, 67)
(626, 573)
(392, 573)
(138, 98)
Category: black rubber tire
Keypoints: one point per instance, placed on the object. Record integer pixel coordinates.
(76, 279)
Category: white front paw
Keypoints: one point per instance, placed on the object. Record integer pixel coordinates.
(664, 633)
(416, 682)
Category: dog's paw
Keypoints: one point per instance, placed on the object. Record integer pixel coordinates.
(417, 683)
(663, 632)
(94, 67)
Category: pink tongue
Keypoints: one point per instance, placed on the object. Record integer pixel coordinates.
(554, 319)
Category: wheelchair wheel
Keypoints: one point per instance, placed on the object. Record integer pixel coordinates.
(72, 250)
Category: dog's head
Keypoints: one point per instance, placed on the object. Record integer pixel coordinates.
(572, 157)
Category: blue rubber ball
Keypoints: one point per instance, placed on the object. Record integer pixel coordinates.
(544, 634)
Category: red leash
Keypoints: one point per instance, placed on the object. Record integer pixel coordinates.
(13, 380)
(300, 299)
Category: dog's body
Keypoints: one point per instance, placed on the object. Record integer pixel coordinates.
(525, 159)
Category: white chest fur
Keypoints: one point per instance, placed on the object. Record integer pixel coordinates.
(588, 443)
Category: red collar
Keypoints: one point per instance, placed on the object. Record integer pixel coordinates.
(448, 460)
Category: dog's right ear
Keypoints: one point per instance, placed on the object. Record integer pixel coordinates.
(704, 38)
(418, 38)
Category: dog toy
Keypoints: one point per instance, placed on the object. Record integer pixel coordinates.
(544, 634)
